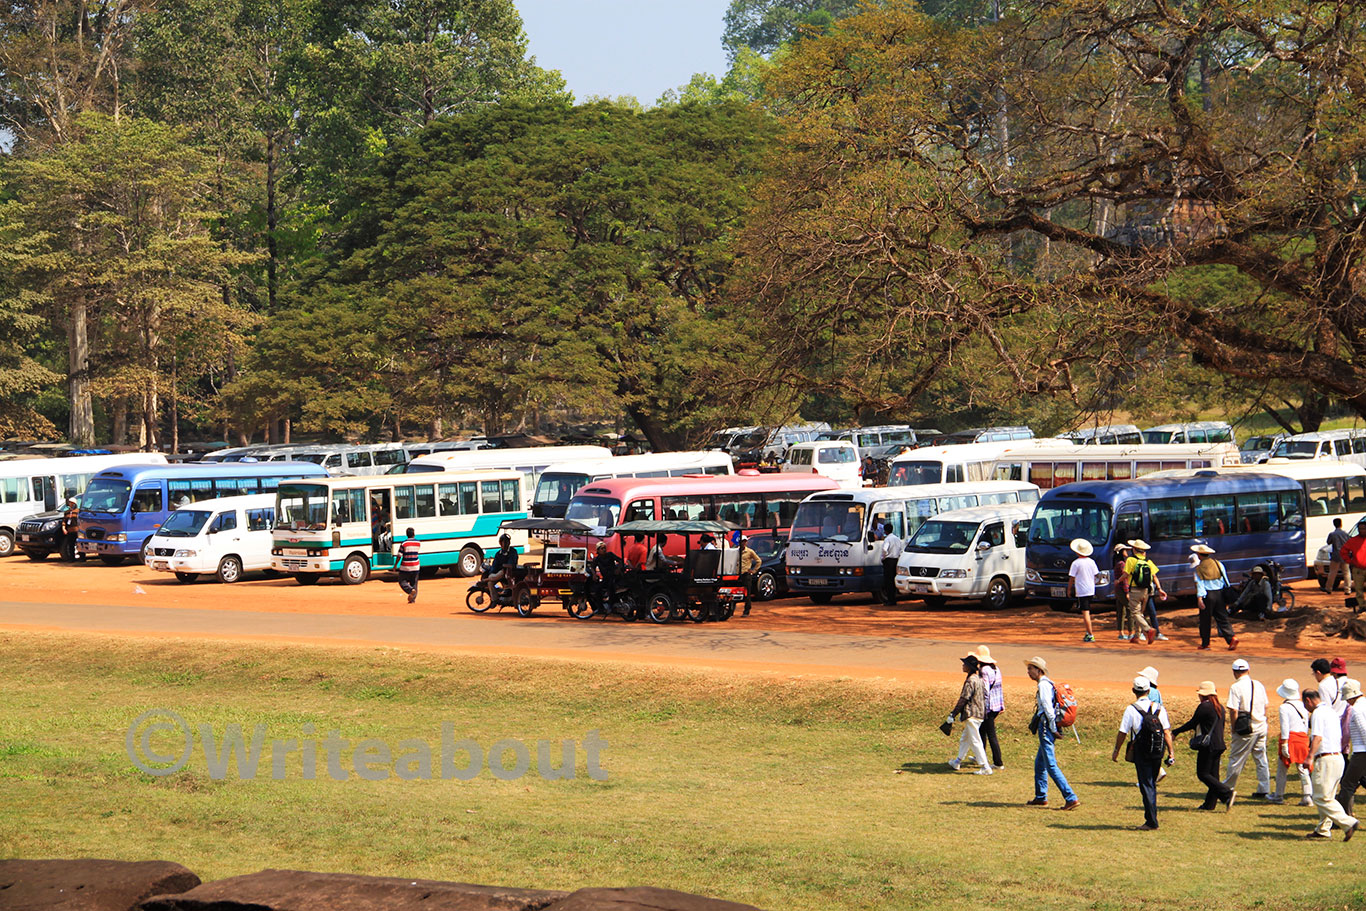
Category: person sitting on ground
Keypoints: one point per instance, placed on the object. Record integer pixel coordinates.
(1255, 600)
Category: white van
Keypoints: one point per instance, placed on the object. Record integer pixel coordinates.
(1343, 445)
(975, 554)
(1191, 432)
(227, 537)
(837, 460)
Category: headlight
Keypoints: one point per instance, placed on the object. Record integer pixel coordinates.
(185, 553)
(903, 571)
(52, 526)
(953, 574)
(1103, 578)
(1032, 575)
(794, 570)
(117, 539)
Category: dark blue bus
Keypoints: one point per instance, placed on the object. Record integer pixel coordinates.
(1247, 518)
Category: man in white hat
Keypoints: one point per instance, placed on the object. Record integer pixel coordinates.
(1247, 724)
(1140, 724)
(1325, 767)
(1081, 582)
(1355, 774)
(1045, 724)
(1211, 596)
(1294, 737)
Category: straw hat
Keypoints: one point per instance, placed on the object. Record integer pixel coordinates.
(1350, 689)
(1202, 549)
(1038, 662)
(1207, 688)
(1289, 688)
(1081, 547)
(983, 655)
(1140, 544)
(1150, 672)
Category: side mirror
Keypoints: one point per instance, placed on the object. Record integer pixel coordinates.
(983, 547)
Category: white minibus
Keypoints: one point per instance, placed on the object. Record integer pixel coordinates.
(973, 554)
(226, 536)
(837, 460)
(1190, 432)
(530, 461)
(1344, 445)
(358, 460)
(559, 482)
(833, 543)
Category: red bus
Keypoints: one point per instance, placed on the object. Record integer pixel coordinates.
(762, 503)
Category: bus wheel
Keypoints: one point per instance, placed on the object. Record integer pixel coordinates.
(355, 570)
(111, 559)
(306, 578)
(821, 597)
(470, 562)
(187, 577)
(229, 569)
(998, 593)
(661, 607)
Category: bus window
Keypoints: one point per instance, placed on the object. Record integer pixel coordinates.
(641, 511)
(1093, 471)
(1292, 510)
(741, 509)
(511, 496)
(962, 501)
(779, 510)
(425, 496)
(1257, 512)
(994, 534)
(1198, 436)
(828, 520)
(1327, 496)
(448, 499)
(1128, 526)
(1008, 471)
(953, 474)
(890, 519)
(1064, 473)
(1214, 515)
(147, 499)
(1359, 444)
(1041, 474)
(1356, 488)
(390, 457)
(260, 519)
(1170, 519)
(1120, 471)
(469, 498)
(1173, 466)
(1221, 435)
(403, 503)
(1142, 468)
(348, 506)
(917, 512)
(687, 508)
(490, 496)
(1343, 448)
(593, 511)
(358, 460)
(910, 474)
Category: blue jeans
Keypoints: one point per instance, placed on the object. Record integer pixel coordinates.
(1146, 771)
(1046, 766)
(1151, 614)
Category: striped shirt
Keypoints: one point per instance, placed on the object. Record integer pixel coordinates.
(996, 700)
(408, 553)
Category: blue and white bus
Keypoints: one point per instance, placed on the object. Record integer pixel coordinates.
(1248, 518)
(123, 507)
(348, 527)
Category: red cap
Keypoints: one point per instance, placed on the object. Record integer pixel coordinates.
(1337, 666)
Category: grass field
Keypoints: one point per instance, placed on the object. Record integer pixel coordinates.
(780, 793)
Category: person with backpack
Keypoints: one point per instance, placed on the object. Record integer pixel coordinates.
(1045, 724)
(1208, 743)
(1294, 751)
(1143, 584)
(1211, 596)
(1247, 721)
(1149, 733)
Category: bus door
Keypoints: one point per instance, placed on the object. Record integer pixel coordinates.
(890, 516)
(1128, 526)
(381, 508)
(146, 511)
(45, 492)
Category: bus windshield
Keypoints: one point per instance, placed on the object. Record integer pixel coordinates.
(828, 520)
(559, 486)
(939, 537)
(907, 474)
(594, 511)
(107, 495)
(1290, 449)
(1061, 523)
(184, 523)
(301, 506)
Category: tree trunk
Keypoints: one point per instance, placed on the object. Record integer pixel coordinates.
(175, 406)
(434, 430)
(272, 219)
(289, 430)
(659, 439)
(81, 426)
(120, 421)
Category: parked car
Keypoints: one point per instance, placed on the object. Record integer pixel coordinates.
(1120, 434)
(226, 536)
(1258, 448)
(1321, 561)
(771, 580)
(985, 435)
(837, 460)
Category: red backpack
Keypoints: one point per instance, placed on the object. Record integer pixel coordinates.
(1064, 705)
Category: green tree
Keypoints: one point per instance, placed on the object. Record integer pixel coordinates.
(764, 26)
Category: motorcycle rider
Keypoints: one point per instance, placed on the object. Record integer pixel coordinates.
(606, 567)
(500, 570)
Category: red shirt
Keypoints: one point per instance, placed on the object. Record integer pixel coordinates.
(635, 555)
(408, 554)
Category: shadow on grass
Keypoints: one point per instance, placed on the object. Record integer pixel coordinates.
(933, 768)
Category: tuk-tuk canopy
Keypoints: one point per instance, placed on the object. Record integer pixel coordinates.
(546, 526)
(673, 527)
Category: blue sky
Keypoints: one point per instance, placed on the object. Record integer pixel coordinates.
(626, 47)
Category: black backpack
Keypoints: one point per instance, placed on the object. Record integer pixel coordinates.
(1149, 742)
(1142, 576)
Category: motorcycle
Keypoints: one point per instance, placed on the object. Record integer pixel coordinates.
(514, 591)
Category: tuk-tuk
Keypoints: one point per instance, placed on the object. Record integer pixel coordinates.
(705, 585)
(563, 572)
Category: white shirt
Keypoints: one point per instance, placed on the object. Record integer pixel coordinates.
(1084, 571)
(1328, 688)
(1132, 722)
(1294, 718)
(1326, 724)
(891, 546)
(1241, 700)
(1358, 725)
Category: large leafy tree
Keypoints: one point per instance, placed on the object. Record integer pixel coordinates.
(1174, 178)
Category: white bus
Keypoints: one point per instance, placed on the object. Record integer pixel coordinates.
(833, 543)
(530, 461)
(958, 463)
(29, 486)
(1053, 466)
(1332, 490)
(349, 527)
(559, 482)
(342, 460)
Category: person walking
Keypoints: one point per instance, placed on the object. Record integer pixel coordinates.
(1045, 725)
(749, 571)
(1081, 582)
(1354, 776)
(1327, 683)
(1208, 743)
(1123, 623)
(1211, 596)
(972, 708)
(996, 702)
(1143, 582)
(1149, 733)
(1325, 767)
(1247, 721)
(409, 564)
(891, 548)
(1354, 555)
(1155, 697)
(1294, 742)
(1337, 566)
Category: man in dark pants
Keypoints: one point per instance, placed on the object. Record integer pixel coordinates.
(1147, 754)
(607, 567)
(71, 524)
(891, 547)
(409, 565)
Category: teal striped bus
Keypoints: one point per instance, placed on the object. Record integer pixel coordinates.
(350, 527)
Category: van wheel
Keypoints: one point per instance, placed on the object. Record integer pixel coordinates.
(355, 570)
(187, 577)
(112, 559)
(998, 593)
(6, 542)
(821, 597)
(142, 551)
(470, 562)
(229, 569)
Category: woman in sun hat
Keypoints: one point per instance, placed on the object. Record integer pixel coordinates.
(1208, 723)
(1081, 582)
(972, 708)
(1122, 622)
(1294, 737)
(1211, 594)
(996, 702)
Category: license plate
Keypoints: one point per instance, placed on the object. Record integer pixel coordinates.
(817, 581)
(25, 538)
(1057, 591)
(295, 552)
(161, 564)
(920, 587)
